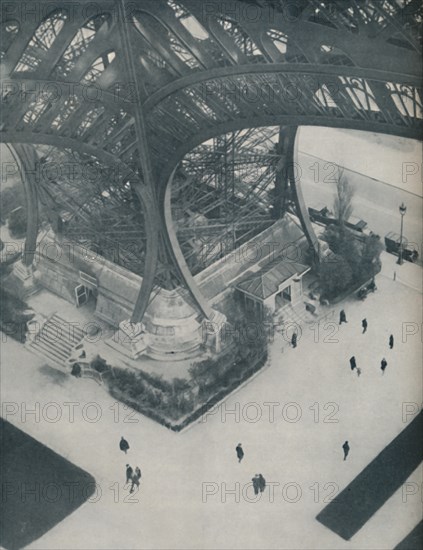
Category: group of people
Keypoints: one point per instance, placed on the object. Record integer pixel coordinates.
(132, 477)
(259, 483)
(364, 325)
(353, 362)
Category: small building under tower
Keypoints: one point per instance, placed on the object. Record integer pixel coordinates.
(277, 286)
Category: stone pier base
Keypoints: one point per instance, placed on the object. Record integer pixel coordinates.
(129, 339)
(22, 281)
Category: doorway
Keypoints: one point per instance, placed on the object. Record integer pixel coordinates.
(85, 295)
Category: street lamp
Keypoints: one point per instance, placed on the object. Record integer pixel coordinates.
(403, 210)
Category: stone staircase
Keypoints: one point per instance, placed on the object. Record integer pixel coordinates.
(55, 341)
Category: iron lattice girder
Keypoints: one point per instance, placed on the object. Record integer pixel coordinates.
(207, 106)
(201, 195)
(375, 87)
(282, 91)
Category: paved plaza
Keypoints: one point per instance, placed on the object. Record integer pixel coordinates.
(174, 165)
(291, 419)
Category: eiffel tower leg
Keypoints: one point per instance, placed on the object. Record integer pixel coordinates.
(23, 269)
(152, 250)
(296, 193)
(177, 256)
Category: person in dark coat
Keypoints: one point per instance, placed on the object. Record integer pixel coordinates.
(342, 317)
(383, 365)
(129, 473)
(261, 483)
(135, 479)
(76, 370)
(391, 341)
(294, 340)
(256, 484)
(239, 452)
(123, 445)
(358, 371)
(353, 363)
(364, 325)
(346, 449)
(135, 482)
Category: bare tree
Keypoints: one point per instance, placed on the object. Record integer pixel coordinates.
(343, 201)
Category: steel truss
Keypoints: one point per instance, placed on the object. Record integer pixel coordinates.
(137, 90)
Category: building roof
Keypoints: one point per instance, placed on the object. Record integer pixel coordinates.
(267, 281)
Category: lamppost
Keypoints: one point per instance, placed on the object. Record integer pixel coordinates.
(403, 210)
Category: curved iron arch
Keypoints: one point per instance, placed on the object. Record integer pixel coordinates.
(165, 162)
(26, 156)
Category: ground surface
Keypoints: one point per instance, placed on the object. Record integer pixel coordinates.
(39, 488)
(292, 419)
(393, 171)
(349, 511)
(194, 493)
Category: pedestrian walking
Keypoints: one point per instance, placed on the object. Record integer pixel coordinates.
(346, 449)
(383, 365)
(135, 479)
(364, 325)
(239, 452)
(261, 483)
(342, 317)
(353, 363)
(358, 370)
(294, 340)
(256, 484)
(391, 341)
(76, 370)
(135, 483)
(129, 473)
(123, 445)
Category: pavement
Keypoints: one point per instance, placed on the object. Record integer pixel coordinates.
(384, 171)
(292, 420)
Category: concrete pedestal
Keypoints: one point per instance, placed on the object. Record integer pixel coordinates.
(129, 339)
(25, 275)
(212, 331)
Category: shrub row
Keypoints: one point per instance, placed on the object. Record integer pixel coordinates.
(179, 402)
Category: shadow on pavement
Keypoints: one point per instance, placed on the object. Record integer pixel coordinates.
(39, 488)
(356, 504)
